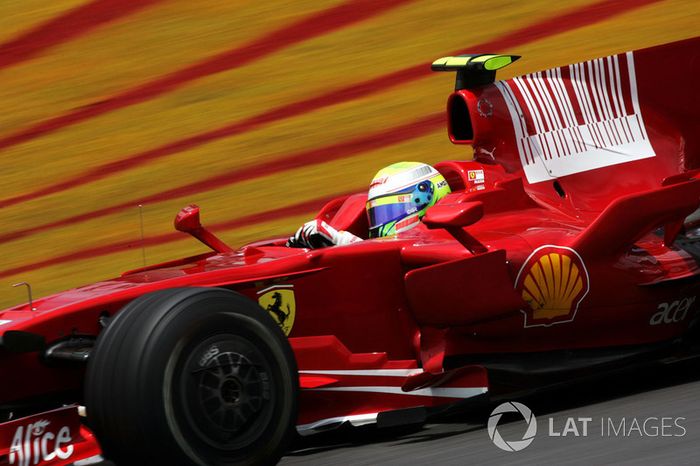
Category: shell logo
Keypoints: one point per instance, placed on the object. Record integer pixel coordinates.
(553, 282)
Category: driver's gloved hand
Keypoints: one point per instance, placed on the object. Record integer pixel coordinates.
(318, 234)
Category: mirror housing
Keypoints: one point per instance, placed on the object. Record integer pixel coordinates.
(453, 218)
(187, 221)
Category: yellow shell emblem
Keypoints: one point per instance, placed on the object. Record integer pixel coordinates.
(279, 302)
(553, 282)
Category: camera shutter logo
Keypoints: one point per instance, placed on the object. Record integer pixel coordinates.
(512, 407)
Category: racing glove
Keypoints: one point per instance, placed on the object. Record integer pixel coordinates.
(318, 234)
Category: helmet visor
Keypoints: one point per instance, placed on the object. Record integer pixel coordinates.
(389, 212)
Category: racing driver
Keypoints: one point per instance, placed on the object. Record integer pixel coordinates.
(399, 195)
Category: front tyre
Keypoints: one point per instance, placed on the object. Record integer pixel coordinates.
(192, 376)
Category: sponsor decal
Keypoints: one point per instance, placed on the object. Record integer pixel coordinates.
(405, 223)
(476, 176)
(528, 436)
(671, 313)
(577, 118)
(378, 182)
(488, 153)
(553, 281)
(211, 353)
(279, 302)
(484, 107)
(421, 172)
(35, 443)
(624, 427)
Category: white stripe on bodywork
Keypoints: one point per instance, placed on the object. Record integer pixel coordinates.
(524, 148)
(370, 418)
(603, 89)
(544, 99)
(322, 424)
(618, 82)
(88, 461)
(583, 98)
(275, 287)
(635, 97)
(633, 82)
(613, 86)
(597, 104)
(620, 97)
(605, 98)
(534, 113)
(367, 372)
(438, 392)
(564, 111)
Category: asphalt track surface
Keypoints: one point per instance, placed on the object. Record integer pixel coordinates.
(462, 438)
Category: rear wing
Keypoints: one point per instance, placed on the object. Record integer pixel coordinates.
(584, 134)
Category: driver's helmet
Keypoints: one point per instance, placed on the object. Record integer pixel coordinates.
(400, 194)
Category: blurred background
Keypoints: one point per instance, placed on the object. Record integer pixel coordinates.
(258, 111)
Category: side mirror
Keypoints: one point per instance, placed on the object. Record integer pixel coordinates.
(454, 216)
(187, 221)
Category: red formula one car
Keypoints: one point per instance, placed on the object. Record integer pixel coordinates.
(568, 246)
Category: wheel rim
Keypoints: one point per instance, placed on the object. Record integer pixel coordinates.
(225, 392)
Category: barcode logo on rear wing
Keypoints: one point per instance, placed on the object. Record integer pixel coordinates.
(577, 118)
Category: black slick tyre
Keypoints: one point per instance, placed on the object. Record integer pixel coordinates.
(192, 376)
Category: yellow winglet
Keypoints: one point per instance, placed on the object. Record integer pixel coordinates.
(477, 62)
(473, 70)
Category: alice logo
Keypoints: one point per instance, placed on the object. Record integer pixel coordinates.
(34, 443)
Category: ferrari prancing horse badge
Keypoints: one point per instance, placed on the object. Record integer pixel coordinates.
(278, 301)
